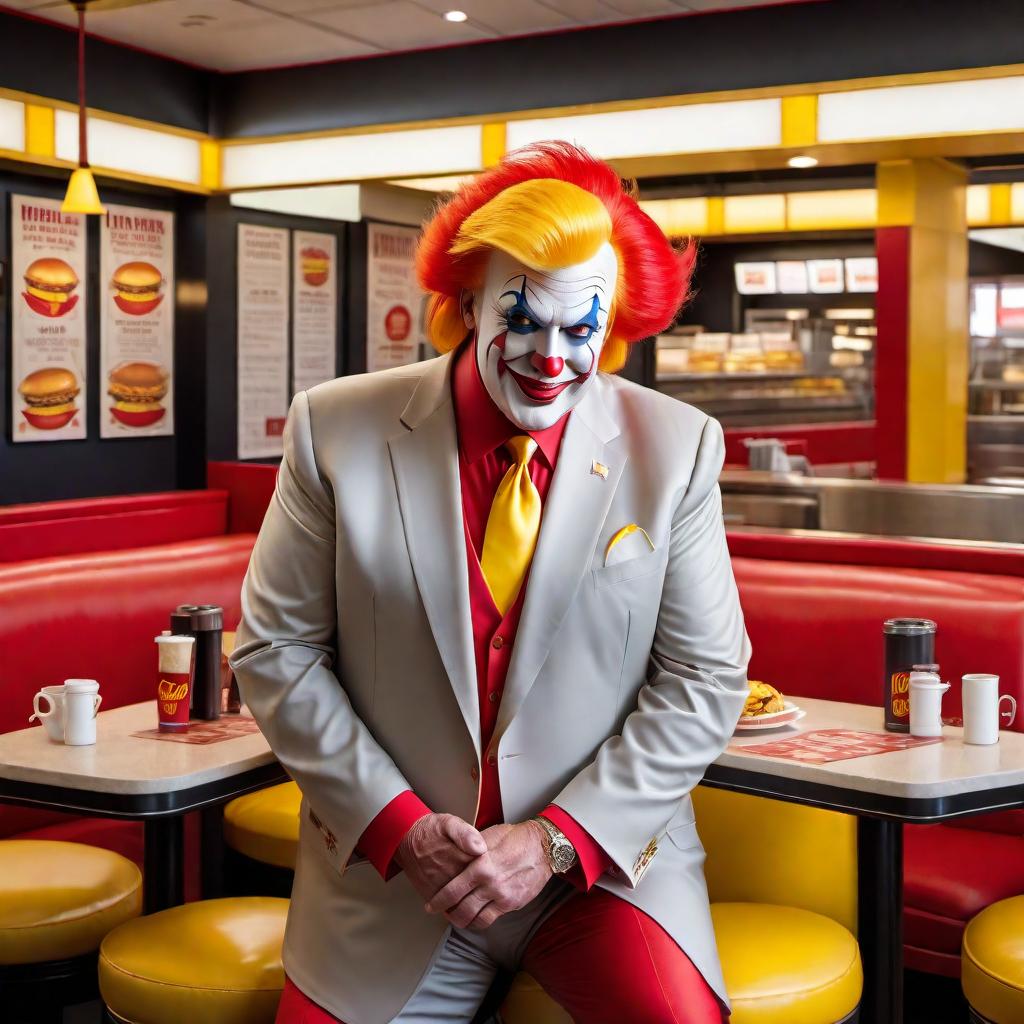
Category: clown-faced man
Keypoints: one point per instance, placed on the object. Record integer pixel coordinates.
(491, 630)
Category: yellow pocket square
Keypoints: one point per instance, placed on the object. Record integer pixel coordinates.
(621, 535)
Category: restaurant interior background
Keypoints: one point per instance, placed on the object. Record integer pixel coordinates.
(852, 170)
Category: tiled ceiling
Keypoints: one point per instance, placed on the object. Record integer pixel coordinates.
(232, 35)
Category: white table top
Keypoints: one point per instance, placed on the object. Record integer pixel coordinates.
(126, 764)
(934, 770)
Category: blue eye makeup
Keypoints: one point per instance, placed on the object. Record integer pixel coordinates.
(521, 319)
(583, 331)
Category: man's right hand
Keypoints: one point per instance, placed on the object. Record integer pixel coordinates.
(436, 849)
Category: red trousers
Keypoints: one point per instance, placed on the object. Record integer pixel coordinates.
(601, 959)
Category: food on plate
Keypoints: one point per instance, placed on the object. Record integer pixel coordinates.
(137, 287)
(50, 285)
(763, 699)
(49, 396)
(137, 390)
(315, 265)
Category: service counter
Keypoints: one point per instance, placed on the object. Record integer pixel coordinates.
(848, 506)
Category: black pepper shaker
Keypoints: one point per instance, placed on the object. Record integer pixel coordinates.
(206, 623)
(908, 642)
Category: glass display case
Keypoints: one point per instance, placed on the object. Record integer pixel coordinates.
(788, 365)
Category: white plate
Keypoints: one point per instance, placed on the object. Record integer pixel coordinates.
(789, 715)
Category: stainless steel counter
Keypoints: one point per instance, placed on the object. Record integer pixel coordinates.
(870, 507)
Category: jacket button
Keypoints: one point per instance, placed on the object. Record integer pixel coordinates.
(474, 773)
(498, 642)
(492, 760)
(493, 696)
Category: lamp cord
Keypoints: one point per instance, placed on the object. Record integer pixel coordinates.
(83, 151)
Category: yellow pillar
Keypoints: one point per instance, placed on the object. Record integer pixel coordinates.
(922, 355)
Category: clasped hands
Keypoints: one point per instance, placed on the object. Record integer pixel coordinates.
(472, 877)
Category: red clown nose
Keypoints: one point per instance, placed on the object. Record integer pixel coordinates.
(550, 366)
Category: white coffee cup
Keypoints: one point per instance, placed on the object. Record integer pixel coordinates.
(981, 702)
(81, 704)
(53, 715)
(926, 690)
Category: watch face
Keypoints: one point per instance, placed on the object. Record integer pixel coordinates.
(563, 855)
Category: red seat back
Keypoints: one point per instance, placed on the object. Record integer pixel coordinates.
(816, 628)
(47, 529)
(95, 616)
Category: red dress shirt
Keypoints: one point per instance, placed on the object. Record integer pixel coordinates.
(482, 431)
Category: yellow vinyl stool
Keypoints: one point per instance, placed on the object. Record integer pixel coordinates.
(57, 902)
(265, 825)
(784, 965)
(992, 963)
(213, 962)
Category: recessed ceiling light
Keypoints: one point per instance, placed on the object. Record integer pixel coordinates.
(455, 16)
(803, 161)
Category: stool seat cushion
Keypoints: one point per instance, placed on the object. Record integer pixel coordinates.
(993, 962)
(265, 825)
(783, 965)
(213, 962)
(58, 900)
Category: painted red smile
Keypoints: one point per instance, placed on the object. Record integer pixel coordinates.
(537, 390)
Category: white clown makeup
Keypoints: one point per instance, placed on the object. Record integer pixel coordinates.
(539, 333)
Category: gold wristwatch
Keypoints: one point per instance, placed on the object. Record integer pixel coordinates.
(561, 853)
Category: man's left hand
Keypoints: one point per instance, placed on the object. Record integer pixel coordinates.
(513, 870)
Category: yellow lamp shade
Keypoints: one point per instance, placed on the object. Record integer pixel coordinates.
(81, 196)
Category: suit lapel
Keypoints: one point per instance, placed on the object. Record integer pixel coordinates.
(574, 512)
(426, 467)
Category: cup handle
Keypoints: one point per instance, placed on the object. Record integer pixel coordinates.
(96, 706)
(1013, 709)
(35, 706)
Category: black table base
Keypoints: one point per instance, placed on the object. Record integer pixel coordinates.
(164, 874)
(880, 918)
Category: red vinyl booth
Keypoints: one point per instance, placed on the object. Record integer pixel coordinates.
(94, 615)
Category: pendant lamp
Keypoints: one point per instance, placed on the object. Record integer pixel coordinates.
(81, 196)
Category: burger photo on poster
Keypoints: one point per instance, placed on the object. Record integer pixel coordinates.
(50, 285)
(137, 389)
(49, 396)
(137, 287)
(316, 265)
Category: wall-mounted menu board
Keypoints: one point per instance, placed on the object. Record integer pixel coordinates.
(393, 297)
(136, 322)
(48, 301)
(755, 278)
(262, 340)
(314, 308)
(825, 276)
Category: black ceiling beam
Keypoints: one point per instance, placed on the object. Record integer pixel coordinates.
(816, 40)
(40, 57)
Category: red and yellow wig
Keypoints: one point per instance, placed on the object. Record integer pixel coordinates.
(552, 205)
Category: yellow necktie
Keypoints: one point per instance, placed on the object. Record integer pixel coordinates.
(512, 526)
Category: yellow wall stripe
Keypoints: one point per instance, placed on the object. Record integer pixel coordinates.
(799, 121)
(39, 130)
(209, 164)
(1000, 207)
(492, 143)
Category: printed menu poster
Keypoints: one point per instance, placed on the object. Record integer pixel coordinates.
(393, 297)
(48, 302)
(314, 309)
(136, 322)
(262, 340)
(862, 274)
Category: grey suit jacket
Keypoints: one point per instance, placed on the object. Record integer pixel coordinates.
(355, 655)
